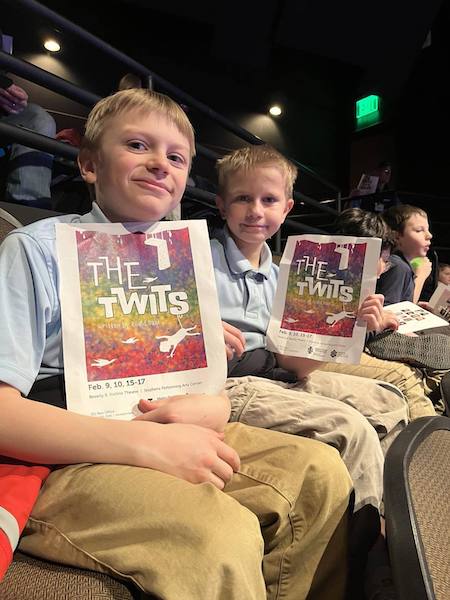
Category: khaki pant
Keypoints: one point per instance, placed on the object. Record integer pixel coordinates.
(350, 413)
(182, 541)
(410, 381)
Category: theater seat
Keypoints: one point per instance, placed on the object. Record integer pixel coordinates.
(7, 223)
(417, 508)
(32, 579)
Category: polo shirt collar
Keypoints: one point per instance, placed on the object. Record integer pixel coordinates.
(237, 261)
(96, 215)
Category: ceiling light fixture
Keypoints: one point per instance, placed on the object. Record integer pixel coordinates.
(52, 45)
(275, 110)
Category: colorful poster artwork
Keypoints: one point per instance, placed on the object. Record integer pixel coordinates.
(139, 304)
(324, 288)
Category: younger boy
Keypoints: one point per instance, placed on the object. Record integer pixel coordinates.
(444, 273)
(412, 234)
(122, 500)
(255, 195)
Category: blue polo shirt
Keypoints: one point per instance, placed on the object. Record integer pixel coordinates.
(397, 283)
(245, 294)
(30, 323)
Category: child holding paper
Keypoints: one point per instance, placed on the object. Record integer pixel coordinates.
(124, 499)
(255, 195)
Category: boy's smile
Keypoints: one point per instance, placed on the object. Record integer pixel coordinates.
(254, 206)
(140, 168)
(416, 237)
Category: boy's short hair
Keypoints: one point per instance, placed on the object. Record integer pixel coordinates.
(362, 223)
(442, 266)
(396, 216)
(249, 157)
(140, 100)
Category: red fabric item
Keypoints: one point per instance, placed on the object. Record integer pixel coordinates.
(6, 554)
(19, 488)
(71, 136)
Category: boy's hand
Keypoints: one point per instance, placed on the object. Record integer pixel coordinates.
(13, 100)
(234, 340)
(204, 410)
(371, 311)
(426, 306)
(390, 320)
(190, 452)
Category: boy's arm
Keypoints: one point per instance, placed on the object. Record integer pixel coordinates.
(302, 367)
(40, 433)
(198, 409)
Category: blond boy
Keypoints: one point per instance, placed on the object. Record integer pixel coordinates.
(124, 500)
(255, 196)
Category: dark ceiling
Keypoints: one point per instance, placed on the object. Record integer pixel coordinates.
(239, 53)
(382, 39)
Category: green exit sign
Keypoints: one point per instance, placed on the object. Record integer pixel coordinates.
(368, 111)
(368, 105)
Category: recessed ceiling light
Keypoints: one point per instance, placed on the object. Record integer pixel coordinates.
(275, 110)
(52, 46)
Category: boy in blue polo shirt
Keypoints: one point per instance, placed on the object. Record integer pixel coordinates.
(255, 196)
(124, 499)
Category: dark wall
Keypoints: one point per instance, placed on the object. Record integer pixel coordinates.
(423, 118)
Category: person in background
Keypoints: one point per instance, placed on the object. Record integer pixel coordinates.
(381, 197)
(444, 273)
(29, 171)
(409, 264)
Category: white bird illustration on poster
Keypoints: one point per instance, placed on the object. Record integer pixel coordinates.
(102, 362)
(149, 279)
(291, 320)
(131, 340)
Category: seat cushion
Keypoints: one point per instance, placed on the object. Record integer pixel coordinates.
(35, 579)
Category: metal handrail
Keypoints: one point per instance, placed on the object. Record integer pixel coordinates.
(140, 69)
(36, 140)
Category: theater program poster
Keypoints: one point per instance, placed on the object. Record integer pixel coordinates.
(321, 284)
(140, 316)
(440, 301)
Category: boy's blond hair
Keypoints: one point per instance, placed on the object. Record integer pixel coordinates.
(139, 100)
(396, 216)
(248, 158)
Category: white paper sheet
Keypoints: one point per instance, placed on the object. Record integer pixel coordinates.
(140, 315)
(322, 282)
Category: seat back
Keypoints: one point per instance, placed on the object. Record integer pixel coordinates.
(417, 507)
(7, 223)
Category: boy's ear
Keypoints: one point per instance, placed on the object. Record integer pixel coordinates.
(220, 203)
(87, 166)
(289, 206)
